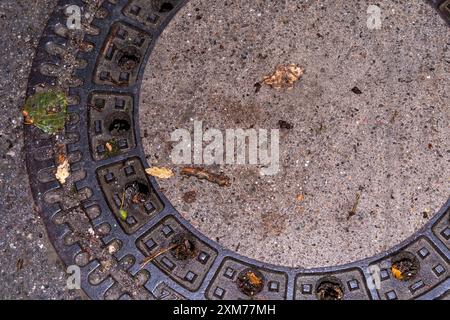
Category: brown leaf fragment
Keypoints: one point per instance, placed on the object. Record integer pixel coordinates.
(203, 174)
(284, 76)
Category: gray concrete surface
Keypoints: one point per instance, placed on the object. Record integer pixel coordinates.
(388, 145)
(29, 266)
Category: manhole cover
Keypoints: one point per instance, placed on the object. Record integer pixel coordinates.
(150, 250)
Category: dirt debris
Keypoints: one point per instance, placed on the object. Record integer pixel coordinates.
(356, 90)
(272, 224)
(250, 282)
(184, 247)
(405, 266)
(190, 196)
(285, 125)
(330, 289)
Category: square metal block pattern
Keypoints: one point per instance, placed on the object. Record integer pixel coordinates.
(150, 12)
(442, 229)
(189, 273)
(353, 282)
(124, 43)
(224, 287)
(113, 180)
(105, 110)
(433, 270)
(164, 292)
(445, 8)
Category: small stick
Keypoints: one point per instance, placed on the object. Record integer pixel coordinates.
(203, 174)
(94, 107)
(355, 206)
(123, 200)
(110, 40)
(149, 259)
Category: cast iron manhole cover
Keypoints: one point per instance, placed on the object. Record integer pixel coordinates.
(102, 143)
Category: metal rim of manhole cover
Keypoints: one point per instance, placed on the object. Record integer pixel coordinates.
(82, 216)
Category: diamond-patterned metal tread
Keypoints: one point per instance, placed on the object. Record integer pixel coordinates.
(83, 215)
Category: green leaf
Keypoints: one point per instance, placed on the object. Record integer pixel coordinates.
(47, 110)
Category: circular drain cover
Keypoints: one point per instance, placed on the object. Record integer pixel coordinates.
(150, 251)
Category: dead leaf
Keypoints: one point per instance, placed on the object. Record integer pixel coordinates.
(161, 173)
(109, 147)
(63, 171)
(284, 76)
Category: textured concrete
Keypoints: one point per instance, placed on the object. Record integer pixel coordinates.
(388, 144)
(29, 266)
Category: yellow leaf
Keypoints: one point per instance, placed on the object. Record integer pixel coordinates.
(397, 273)
(161, 173)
